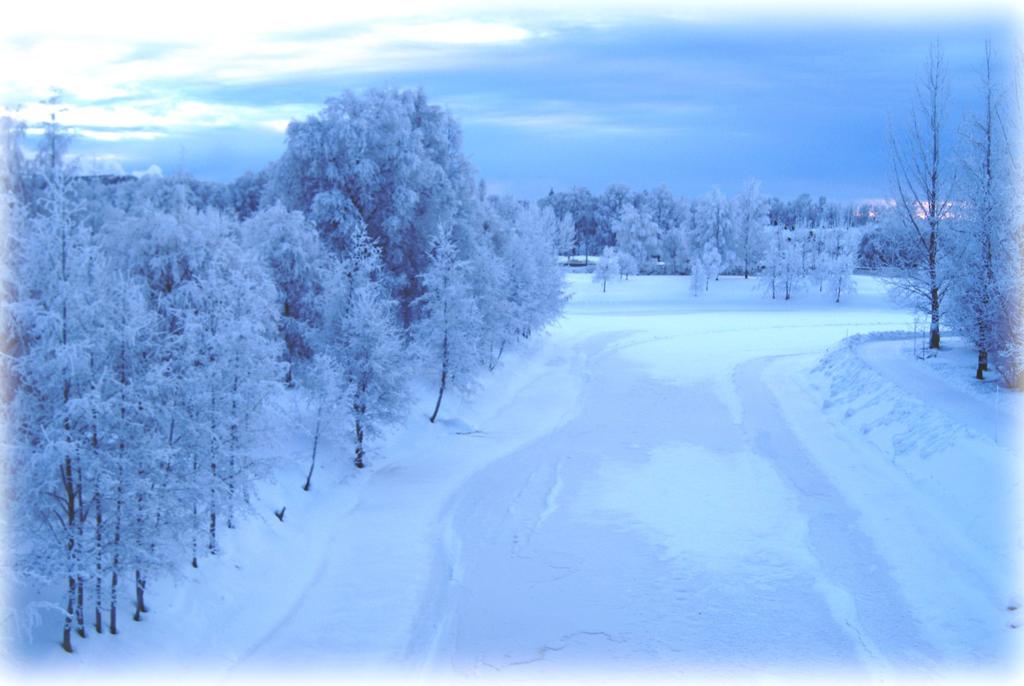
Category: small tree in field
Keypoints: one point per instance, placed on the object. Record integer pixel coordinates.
(627, 264)
(839, 259)
(698, 275)
(711, 264)
(781, 273)
(607, 268)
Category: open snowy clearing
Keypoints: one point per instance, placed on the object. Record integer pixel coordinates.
(660, 484)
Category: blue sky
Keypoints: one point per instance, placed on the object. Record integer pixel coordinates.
(689, 99)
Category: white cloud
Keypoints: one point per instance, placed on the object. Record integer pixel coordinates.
(98, 164)
(276, 125)
(563, 117)
(205, 22)
(153, 170)
(119, 135)
(114, 59)
(153, 118)
(102, 51)
(463, 32)
(145, 72)
(556, 122)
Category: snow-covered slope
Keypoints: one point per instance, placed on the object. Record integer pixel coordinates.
(923, 434)
(660, 484)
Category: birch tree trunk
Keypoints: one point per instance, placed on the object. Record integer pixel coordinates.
(444, 377)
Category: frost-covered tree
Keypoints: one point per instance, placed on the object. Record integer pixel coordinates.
(130, 388)
(674, 248)
(781, 272)
(536, 281)
(387, 159)
(839, 259)
(54, 141)
(711, 264)
(627, 265)
(698, 275)
(771, 267)
(448, 330)
(145, 343)
(982, 281)
(813, 255)
(584, 209)
(607, 268)
(293, 251)
(564, 233)
(362, 336)
(62, 326)
(636, 239)
(51, 317)
(246, 193)
(924, 184)
(704, 268)
(514, 276)
(516, 280)
(1010, 358)
(668, 214)
(241, 350)
(170, 253)
(712, 223)
(217, 315)
(322, 380)
(608, 208)
(12, 159)
(492, 282)
(749, 219)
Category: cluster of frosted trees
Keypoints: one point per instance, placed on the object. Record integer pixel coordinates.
(143, 344)
(148, 324)
(957, 231)
(803, 256)
(789, 246)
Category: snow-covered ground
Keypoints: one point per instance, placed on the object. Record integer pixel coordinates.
(659, 485)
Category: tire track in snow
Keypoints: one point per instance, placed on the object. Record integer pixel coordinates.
(432, 640)
(855, 580)
(619, 573)
(551, 499)
(308, 587)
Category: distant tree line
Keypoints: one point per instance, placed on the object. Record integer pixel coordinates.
(950, 242)
(788, 244)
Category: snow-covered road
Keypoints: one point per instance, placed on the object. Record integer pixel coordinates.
(592, 547)
(659, 530)
(661, 484)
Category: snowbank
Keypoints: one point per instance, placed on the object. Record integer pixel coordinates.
(932, 468)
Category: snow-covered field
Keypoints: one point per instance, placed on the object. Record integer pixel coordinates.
(660, 485)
